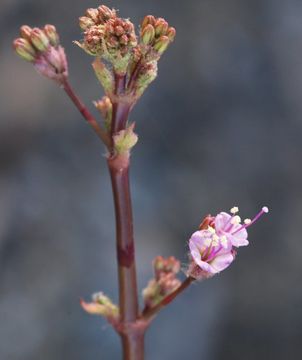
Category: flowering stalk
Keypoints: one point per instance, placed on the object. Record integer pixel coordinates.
(125, 66)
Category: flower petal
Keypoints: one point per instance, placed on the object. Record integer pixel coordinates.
(221, 262)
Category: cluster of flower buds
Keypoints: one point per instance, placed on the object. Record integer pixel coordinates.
(108, 36)
(164, 282)
(156, 35)
(212, 247)
(101, 305)
(113, 39)
(42, 48)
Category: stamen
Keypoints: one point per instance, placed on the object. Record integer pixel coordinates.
(211, 230)
(264, 210)
(247, 221)
(234, 210)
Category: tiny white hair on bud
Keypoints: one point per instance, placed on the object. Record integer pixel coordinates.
(265, 209)
(247, 221)
(234, 210)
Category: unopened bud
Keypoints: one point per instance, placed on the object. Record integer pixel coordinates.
(101, 305)
(165, 265)
(119, 30)
(52, 34)
(93, 14)
(39, 39)
(161, 44)
(25, 32)
(171, 33)
(149, 19)
(148, 34)
(24, 49)
(85, 22)
(105, 13)
(161, 26)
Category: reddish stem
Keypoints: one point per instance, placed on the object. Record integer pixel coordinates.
(150, 312)
(86, 114)
(132, 340)
(120, 108)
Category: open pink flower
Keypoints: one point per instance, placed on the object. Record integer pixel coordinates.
(212, 247)
(209, 252)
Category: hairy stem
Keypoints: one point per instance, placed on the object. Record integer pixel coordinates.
(150, 312)
(86, 114)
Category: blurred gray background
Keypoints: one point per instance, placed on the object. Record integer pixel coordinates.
(220, 127)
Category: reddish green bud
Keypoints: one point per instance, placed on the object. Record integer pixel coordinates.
(119, 30)
(148, 34)
(161, 27)
(171, 33)
(25, 32)
(101, 305)
(93, 14)
(52, 34)
(39, 39)
(105, 13)
(149, 19)
(85, 22)
(124, 40)
(24, 49)
(161, 44)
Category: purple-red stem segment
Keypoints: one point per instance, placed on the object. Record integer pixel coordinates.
(86, 114)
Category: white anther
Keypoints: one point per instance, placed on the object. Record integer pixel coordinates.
(211, 230)
(265, 209)
(247, 221)
(234, 210)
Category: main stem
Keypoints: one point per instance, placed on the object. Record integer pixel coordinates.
(131, 335)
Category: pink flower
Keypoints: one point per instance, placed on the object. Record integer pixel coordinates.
(212, 247)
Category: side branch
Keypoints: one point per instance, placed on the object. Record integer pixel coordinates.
(148, 313)
(86, 114)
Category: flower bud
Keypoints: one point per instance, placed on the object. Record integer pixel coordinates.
(52, 34)
(161, 26)
(25, 32)
(148, 34)
(171, 33)
(149, 19)
(85, 22)
(24, 49)
(105, 13)
(93, 14)
(101, 305)
(161, 44)
(39, 39)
